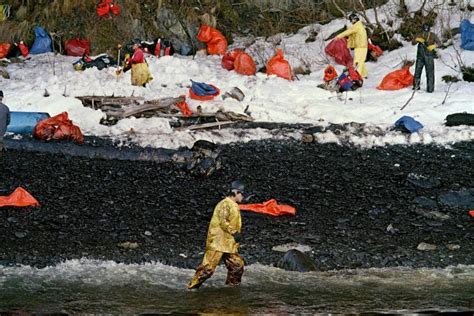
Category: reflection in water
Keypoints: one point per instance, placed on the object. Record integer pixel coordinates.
(85, 286)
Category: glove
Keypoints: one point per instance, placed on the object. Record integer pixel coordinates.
(420, 40)
(237, 237)
(431, 47)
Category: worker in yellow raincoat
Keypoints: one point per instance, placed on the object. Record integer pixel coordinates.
(140, 73)
(357, 39)
(222, 240)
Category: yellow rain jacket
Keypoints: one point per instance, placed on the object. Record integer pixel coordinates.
(357, 40)
(357, 35)
(225, 222)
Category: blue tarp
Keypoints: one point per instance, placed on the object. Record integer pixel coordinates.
(25, 122)
(409, 123)
(202, 89)
(43, 43)
(467, 35)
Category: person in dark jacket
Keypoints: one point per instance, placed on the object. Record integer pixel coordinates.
(425, 55)
(4, 121)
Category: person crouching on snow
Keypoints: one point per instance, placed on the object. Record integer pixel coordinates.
(357, 39)
(140, 73)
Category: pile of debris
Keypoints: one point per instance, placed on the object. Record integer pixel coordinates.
(117, 108)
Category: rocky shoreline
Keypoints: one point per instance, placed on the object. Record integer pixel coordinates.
(356, 208)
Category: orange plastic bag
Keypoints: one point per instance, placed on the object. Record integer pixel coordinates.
(58, 127)
(4, 49)
(184, 108)
(471, 213)
(270, 207)
(216, 42)
(279, 66)
(20, 197)
(397, 80)
(244, 64)
(330, 73)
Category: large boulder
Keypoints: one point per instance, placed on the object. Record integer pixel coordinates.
(295, 260)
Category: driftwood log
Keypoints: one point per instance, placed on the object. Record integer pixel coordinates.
(117, 108)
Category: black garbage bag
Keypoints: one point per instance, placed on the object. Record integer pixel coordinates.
(100, 62)
(456, 119)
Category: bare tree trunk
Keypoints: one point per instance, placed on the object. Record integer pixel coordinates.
(338, 7)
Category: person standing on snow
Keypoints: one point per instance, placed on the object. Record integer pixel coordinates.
(222, 240)
(425, 55)
(4, 121)
(358, 40)
(140, 73)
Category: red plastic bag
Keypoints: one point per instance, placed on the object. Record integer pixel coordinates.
(228, 59)
(216, 42)
(20, 197)
(115, 9)
(103, 8)
(77, 47)
(375, 48)
(244, 64)
(471, 213)
(354, 74)
(4, 49)
(397, 80)
(184, 108)
(337, 49)
(58, 127)
(23, 49)
(330, 73)
(279, 66)
(270, 207)
(194, 96)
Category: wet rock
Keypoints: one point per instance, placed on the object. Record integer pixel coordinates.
(453, 247)
(432, 214)
(423, 181)
(295, 260)
(12, 220)
(425, 202)
(128, 245)
(20, 234)
(426, 247)
(287, 247)
(461, 199)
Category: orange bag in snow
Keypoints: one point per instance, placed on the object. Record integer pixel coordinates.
(184, 108)
(397, 80)
(244, 64)
(279, 66)
(270, 207)
(20, 197)
(4, 49)
(216, 42)
(58, 127)
(330, 73)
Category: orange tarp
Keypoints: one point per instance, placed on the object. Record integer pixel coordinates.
(20, 197)
(270, 207)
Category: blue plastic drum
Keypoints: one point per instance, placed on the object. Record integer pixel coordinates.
(25, 122)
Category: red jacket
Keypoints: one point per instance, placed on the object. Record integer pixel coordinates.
(137, 58)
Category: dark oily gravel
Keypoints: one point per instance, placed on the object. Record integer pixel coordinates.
(356, 208)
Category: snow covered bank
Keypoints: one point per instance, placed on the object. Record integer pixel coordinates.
(271, 99)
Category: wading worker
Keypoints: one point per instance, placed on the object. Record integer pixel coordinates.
(222, 240)
(140, 73)
(425, 56)
(357, 39)
(4, 121)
